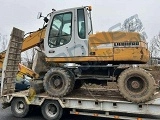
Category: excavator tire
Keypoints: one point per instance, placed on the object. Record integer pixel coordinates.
(73, 77)
(136, 85)
(58, 82)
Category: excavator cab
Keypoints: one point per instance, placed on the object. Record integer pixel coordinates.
(67, 33)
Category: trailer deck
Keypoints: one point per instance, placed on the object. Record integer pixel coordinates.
(102, 103)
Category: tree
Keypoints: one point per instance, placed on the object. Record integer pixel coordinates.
(28, 57)
(155, 47)
(153, 50)
(157, 42)
(3, 42)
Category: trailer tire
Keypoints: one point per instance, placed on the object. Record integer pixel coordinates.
(51, 110)
(58, 82)
(19, 107)
(136, 85)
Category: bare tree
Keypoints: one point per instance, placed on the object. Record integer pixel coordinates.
(3, 42)
(152, 48)
(155, 47)
(28, 57)
(157, 42)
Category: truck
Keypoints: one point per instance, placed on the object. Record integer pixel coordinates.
(68, 38)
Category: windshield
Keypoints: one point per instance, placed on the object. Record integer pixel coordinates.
(61, 30)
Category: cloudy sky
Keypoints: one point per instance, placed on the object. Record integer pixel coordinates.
(106, 13)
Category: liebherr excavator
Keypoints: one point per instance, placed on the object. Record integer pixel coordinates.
(68, 38)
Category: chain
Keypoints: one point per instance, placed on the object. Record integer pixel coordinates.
(90, 92)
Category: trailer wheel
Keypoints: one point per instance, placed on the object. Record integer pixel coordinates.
(51, 110)
(58, 82)
(136, 85)
(19, 107)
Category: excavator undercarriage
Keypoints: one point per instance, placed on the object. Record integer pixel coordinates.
(132, 82)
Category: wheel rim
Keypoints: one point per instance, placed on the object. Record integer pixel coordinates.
(56, 81)
(51, 110)
(136, 84)
(20, 107)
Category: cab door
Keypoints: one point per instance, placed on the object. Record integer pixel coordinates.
(81, 32)
(59, 38)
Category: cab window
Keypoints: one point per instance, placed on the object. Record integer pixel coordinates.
(61, 30)
(81, 23)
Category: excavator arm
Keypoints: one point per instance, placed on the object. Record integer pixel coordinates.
(32, 40)
(23, 70)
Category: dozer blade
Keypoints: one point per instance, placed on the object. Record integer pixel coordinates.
(11, 61)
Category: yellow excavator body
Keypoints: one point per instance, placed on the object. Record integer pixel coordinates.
(112, 47)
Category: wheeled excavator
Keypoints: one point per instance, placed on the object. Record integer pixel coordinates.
(67, 37)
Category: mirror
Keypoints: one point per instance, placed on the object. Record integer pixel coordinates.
(39, 15)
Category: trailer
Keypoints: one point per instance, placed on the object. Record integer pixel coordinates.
(101, 103)
(97, 102)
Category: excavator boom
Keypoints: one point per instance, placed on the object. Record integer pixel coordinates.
(34, 39)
